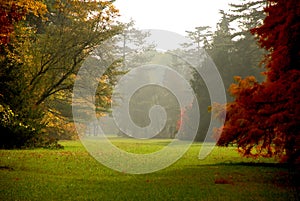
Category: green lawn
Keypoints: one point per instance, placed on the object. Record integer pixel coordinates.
(72, 174)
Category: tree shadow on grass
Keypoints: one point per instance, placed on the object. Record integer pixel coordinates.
(254, 164)
(285, 175)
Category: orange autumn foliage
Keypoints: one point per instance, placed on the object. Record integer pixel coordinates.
(264, 119)
(13, 11)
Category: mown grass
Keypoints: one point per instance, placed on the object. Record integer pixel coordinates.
(72, 174)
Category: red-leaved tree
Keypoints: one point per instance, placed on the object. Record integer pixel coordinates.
(264, 119)
(13, 11)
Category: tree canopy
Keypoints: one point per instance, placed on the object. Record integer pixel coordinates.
(42, 48)
(264, 118)
(12, 12)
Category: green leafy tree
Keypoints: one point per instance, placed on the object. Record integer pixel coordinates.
(41, 63)
(149, 96)
(17, 128)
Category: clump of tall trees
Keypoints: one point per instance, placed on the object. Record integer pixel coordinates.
(263, 119)
(233, 50)
(43, 44)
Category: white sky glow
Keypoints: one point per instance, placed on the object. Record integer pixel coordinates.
(172, 15)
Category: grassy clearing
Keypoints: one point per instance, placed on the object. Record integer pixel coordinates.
(72, 174)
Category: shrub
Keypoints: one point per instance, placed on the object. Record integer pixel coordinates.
(17, 133)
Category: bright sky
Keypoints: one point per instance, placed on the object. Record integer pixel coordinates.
(172, 15)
